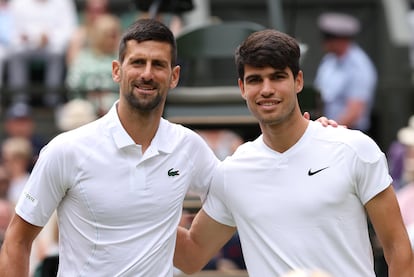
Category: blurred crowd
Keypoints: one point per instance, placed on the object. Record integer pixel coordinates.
(72, 43)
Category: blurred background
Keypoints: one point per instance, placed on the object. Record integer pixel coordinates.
(385, 35)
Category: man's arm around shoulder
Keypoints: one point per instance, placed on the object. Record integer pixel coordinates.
(195, 247)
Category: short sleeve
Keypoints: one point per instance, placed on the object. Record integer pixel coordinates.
(46, 185)
(215, 205)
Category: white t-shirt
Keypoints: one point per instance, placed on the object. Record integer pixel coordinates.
(118, 210)
(302, 208)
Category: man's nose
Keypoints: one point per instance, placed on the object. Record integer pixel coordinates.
(147, 73)
(267, 88)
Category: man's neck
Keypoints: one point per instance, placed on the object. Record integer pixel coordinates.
(141, 127)
(283, 136)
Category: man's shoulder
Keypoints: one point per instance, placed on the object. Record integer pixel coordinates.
(357, 141)
(90, 132)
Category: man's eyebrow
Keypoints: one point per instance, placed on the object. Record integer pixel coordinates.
(280, 71)
(251, 75)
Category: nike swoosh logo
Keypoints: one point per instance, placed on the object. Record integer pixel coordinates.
(310, 172)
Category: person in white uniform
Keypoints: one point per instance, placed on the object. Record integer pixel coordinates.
(346, 77)
(118, 183)
(299, 195)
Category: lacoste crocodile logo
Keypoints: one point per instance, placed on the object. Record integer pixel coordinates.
(310, 172)
(172, 172)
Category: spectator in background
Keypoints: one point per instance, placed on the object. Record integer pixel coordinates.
(17, 157)
(80, 37)
(395, 157)
(90, 74)
(6, 213)
(223, 142)
(42, 29)
(158, 9)
(405, 194)
(4, 182)
(19, 122)
(75, 113)
(48, 242)
(5, 35)
(346, 77)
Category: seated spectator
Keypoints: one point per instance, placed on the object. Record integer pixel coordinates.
(159, 8)
(4, 182)
(42, 29)
(17, 159)
(405, 194)
(91, 10)
(46, 247)
(5, 35)
(223, 142)
(6, 213)
(231, 255)
(395, 157)
(90, 74)
(19, 122)
(74, 114)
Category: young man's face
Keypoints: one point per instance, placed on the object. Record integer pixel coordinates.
(145, 76)
(270, 93)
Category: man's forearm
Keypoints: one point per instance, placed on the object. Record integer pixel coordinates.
(184, 257)
(14, 261)
(400, 262)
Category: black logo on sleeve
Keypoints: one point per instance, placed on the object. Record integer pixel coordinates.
(310, 172)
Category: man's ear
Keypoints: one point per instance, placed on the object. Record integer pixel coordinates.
(116, 71)
(175, 76)
(241, 86)
(299, 81)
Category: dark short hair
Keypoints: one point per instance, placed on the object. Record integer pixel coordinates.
(148, 29)
(268, 48)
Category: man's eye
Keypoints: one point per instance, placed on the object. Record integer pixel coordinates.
(278, 76)
(253, 80)
(159, 64)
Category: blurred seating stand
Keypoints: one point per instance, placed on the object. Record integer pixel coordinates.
(208, 95)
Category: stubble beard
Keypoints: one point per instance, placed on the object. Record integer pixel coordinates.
(273, 119)
(143, 105)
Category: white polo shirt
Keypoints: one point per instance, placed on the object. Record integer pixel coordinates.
(118, 210)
